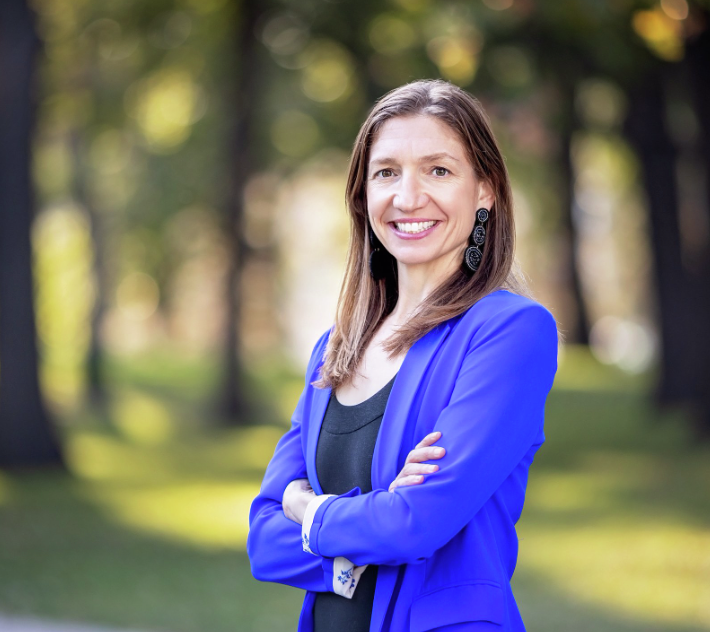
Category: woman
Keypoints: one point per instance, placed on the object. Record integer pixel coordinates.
(436, 344)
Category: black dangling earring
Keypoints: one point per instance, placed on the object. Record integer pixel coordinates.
(378, 256)
(474, 253)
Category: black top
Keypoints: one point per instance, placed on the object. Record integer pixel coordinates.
(343, 461)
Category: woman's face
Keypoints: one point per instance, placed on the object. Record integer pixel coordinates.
(422, 193)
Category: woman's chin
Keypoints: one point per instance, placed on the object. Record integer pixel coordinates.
(418, 262)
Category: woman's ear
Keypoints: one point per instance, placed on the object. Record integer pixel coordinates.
(486, 196)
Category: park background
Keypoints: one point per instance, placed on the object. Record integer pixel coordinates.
(172, 240)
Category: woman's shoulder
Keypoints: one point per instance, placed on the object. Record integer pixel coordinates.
(501, 307)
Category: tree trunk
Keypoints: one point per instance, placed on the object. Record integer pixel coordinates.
(569, 70)
(26, 434)
(570, 257)
(698, 62)
(646, 129)
(234, 404)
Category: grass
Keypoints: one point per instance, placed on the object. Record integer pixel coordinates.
(148, 528)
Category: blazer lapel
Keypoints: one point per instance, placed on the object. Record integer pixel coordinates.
(405, 395)
(401, 408)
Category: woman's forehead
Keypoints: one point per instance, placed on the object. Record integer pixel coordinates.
(417, 135)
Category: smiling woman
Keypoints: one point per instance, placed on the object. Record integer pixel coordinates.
(436, 340)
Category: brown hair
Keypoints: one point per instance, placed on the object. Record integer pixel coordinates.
(363, 303)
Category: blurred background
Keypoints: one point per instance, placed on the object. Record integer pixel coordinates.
(172, 240)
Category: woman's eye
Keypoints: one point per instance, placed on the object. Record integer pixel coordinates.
(386, 173)
(441, 171)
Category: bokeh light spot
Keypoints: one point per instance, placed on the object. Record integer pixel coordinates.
(142, 419)
(510, 66)
(675, 9)
(622, 342)
(455, 57)
(390, 34)
(660, 32)
(137, 296)
(165, 106)
(327, 73)
(285, 34)
(600, 103)
(294, 133)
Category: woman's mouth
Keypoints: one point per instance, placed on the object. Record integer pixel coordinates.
(413, 227)
(413, 230)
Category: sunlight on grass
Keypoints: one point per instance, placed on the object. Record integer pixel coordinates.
(98, 456)
(195, 489)
(612, 530)
(142, 419)
(597, 489)
(101, 457)
(653, 570)
(204, 514)
(158, 494)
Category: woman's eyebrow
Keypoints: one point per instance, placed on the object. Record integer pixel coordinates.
(430, 157)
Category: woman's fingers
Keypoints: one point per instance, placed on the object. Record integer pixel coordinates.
(418, 468)
(413, 471)
(424, 454)
(406, 480)
(413, 474)
(429, 439)
(423, 451)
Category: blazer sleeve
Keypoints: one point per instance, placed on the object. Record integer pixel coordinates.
(493, 418)
(274, 544)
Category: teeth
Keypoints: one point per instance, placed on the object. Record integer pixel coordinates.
(413, 227)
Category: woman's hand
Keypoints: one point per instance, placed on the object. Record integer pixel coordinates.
(413, 470)
(295, 499)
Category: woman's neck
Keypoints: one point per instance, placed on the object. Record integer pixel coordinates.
(415, 283)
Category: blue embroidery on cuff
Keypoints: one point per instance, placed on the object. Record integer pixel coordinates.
(345, 575)
(306, 543)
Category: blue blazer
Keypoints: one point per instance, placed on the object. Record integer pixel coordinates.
(447, 547)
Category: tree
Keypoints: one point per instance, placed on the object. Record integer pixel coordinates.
(242, 96)
(26, 435)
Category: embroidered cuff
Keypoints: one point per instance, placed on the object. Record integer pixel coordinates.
(346, 576)
(308, 520)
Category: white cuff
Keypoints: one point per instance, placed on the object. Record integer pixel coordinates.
(346, 576)
(311, 509)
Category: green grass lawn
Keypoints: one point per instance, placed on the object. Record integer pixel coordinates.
(148, 529)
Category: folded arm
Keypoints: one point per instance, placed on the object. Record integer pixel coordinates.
(494, 415)
(274, 543)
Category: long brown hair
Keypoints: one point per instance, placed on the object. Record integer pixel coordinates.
(364, 303)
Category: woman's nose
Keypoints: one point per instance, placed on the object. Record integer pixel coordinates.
(410, 195)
